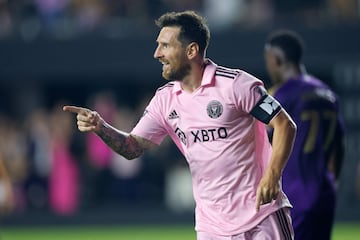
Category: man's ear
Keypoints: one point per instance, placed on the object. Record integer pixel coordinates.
(192, 50)
(279, 56)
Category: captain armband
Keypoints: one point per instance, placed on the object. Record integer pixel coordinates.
(266, 108)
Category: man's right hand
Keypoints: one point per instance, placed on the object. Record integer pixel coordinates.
(87, 120)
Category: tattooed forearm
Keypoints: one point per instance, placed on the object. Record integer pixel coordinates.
(121, 142)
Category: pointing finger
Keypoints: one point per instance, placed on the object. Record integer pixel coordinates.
(76, 110)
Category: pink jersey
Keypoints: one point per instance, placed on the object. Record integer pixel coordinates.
(226, 148)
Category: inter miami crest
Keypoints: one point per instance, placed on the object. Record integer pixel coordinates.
(214, 109)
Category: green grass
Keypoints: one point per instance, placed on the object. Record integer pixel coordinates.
(100, 233)
(341, 232)
(346, 231)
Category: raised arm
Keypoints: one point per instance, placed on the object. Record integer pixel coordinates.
(125, 144)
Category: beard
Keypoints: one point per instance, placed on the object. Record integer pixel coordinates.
(177, 74)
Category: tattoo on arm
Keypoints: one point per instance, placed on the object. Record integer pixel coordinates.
(121, 142)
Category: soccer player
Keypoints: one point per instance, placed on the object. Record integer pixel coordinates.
(215, 115)
(315, 162)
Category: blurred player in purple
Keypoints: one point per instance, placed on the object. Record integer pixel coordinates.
(309, 179)
(216, 116)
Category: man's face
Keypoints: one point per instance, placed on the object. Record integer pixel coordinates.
(272, 64)
(172, 54)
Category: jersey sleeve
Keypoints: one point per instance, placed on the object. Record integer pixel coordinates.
(252, 97)
(151, 125)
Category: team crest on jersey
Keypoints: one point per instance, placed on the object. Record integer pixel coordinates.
(214, 109)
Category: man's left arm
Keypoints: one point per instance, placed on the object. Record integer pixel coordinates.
(268, 110)
(282, 144)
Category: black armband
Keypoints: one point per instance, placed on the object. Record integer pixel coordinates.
(266, 108)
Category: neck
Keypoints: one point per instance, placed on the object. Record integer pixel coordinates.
(291, 73)
(193, 80)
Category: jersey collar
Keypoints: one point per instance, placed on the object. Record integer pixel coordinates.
(207, 79)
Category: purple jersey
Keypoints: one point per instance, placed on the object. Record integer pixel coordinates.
(314, 108)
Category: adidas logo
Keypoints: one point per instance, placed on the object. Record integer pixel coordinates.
(173, 115)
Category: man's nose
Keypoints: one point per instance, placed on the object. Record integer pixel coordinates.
(157, 53)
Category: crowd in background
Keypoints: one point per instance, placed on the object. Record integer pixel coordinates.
(54, 167)
(67, 18)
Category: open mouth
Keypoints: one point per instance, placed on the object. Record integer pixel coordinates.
(165, 64)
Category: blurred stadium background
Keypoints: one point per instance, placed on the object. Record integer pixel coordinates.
(98, 53)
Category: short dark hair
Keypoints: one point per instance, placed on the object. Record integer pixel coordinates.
(193, 27)
(289, 42)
